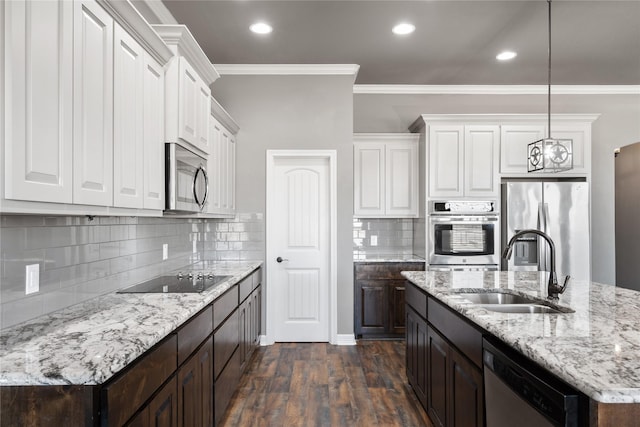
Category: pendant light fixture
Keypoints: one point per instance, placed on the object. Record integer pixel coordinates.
(550, 154)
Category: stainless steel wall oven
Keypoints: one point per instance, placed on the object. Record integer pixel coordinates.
(463, 235)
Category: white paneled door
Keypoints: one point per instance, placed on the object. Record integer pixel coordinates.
(299, 241)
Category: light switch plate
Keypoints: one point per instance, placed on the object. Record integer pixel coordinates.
(32, 279)
(374, 240)
(165, 251)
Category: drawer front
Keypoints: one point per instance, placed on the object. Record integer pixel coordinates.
(224, 306)
(416, 299)
(385, 270)
(124, 396)
(196, 330)
(225, 342)
(466, 337)
(245, 286)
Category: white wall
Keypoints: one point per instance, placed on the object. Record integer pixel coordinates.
(618, 125)
(295, 112)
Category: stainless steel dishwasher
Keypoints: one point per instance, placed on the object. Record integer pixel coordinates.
(517, 392)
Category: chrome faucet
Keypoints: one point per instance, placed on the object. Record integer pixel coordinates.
(553, 288)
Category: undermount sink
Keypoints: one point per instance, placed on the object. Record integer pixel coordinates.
(504, 302)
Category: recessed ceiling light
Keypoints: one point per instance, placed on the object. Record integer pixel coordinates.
(261, 28)
(403, 28)
(506, 55)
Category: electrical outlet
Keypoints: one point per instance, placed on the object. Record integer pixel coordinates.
(32, 279)
(165, 251)
(374, 240)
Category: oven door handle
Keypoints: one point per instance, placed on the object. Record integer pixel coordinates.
(435, 219)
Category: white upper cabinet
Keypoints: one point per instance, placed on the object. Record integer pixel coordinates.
(128, 121)
(188, 97)
(153, 134)
(515, 139)
(83, 109)
(481, 157)
(525, 129)
(468, 154)
(38, 100)
(222, 162)
(463, 161)
(369, 178)
(93, 105)
(446, 160)
(385, 175)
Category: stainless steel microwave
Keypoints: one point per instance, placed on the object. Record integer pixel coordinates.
(187, 183)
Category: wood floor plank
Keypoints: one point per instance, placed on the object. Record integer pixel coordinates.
(317, 384)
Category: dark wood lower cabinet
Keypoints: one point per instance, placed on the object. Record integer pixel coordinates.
(438, 378)
(446, 381)
(380, 298)
(467, 392)
(186, 380)
(195, 388)
(416, 354)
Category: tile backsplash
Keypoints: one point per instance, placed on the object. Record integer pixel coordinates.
(80, 258)
(382, 236)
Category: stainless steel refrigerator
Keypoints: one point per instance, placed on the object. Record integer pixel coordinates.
(558, 208)
(627, 215)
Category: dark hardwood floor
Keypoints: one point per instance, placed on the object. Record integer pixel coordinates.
(317, 384)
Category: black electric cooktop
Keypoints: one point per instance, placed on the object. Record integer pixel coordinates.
(188, 283)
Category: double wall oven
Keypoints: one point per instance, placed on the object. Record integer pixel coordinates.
(463, 235)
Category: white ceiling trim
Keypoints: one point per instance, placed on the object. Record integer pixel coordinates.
(288, 69)
(496, 89)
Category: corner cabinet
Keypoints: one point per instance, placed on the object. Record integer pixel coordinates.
(79, 130)
(188, 97)
(222, 162)
(385, 175)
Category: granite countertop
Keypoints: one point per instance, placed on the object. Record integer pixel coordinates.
(596, 349)
(86, 344)
(390, 257)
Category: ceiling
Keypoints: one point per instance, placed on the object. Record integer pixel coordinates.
(455, 42)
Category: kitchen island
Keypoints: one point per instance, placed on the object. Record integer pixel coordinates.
(595, 349)
(75, 356)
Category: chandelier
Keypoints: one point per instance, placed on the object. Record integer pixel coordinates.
(550, 154)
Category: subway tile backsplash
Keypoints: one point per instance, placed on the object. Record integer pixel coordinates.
(234, 239)
(81, 258)
(382, 236)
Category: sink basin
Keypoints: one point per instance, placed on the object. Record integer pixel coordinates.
(495, 298)
(504, 302)
(524, 308)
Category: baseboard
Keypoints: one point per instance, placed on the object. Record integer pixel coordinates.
(263, 340)
(345, 339)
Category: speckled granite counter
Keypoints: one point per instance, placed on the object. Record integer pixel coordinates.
(370, 257)
(88, 343)
(596, 349)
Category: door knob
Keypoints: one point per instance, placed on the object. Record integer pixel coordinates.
(280, 259)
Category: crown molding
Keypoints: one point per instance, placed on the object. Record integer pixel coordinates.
(138, 27)
(182, 43)
(288, 69)
(496, 89)
(223, 117)
(367, 137)
(491, 118)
